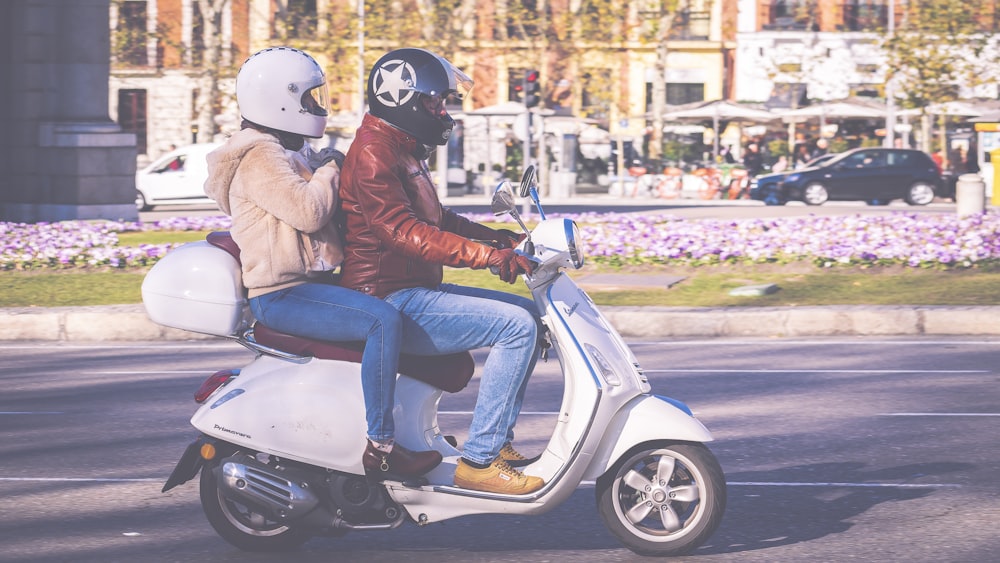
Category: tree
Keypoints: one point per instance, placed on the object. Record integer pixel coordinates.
(935, 48)
(664, 22)
(207, 103)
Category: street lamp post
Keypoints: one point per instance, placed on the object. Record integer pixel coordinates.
(361, 60)
(890, 101)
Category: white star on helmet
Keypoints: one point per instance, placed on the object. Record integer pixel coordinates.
(394, 90)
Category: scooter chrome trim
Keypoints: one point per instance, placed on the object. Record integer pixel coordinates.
(250, 343)
(279, 494)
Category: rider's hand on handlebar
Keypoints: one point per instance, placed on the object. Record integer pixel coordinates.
(505, 238)
(508, 264)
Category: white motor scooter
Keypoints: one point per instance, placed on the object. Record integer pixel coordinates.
(280, 443)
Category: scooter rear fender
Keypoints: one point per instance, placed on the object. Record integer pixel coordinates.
(647, 418)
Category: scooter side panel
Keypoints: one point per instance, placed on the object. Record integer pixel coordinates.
(315, 413)
(311, 412)
(648, 418)
(600, 378)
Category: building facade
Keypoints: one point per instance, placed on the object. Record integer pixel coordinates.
(793, 51)
(63, 157)
(602, 70)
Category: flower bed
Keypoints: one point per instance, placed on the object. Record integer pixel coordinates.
(907, 239)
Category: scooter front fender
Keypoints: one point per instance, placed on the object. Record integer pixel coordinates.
(645, 419)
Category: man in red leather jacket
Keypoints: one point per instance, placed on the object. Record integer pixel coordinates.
(399, 237)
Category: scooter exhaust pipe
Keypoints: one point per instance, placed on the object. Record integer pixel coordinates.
(263, 488)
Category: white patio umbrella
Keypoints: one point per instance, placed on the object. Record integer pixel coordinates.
(955, 108)
(717, 111)
(833, 110)
(839, 109)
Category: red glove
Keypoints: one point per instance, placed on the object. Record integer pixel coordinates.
(508, 239)
(508, 264)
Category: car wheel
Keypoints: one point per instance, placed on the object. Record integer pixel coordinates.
(920, 193)
(140, 202)
(815, 194)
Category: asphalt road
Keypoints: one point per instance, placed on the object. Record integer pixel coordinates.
(834, 449)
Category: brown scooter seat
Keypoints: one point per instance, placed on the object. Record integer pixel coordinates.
(450, 372)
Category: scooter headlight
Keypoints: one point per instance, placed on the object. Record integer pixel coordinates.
(572, 236)
(557, 242)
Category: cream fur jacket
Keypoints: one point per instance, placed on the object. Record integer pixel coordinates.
(281, 211)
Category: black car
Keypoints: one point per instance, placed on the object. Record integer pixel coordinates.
(873, 175)
(765, 187)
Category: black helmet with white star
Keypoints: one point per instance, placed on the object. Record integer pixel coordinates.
(409, 87)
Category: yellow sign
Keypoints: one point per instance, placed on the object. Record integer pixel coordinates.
(988, 127)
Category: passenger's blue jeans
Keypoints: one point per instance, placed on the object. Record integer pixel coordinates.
(334, 313)
(456, 318)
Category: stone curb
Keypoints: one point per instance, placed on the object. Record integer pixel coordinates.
(122, 323)
(805, 321)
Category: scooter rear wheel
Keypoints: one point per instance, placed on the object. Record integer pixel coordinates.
(241, 525)
(663, 498)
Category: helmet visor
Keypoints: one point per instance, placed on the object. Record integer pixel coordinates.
(461, 84)
(315, 101)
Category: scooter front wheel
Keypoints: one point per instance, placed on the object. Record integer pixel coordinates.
(663, 498)
(241, 525)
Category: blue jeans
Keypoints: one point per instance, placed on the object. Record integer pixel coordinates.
(334, 313)
(454, 318)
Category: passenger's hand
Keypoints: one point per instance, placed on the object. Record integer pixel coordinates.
(505, 238)
(507, 264)
(324, 156)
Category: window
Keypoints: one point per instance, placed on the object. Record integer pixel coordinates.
(523, 18)
(597, 94)
(691, 24)
(132, 115)
(684, 93)
(866, 90)
(197, 49)
(678, 93)
(788, 95)
(865, 159)
(302, 19)
(130, 33)
(902, 159)
(865, 15)
(793, 15)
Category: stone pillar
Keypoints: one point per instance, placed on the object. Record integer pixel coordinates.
(63, 157)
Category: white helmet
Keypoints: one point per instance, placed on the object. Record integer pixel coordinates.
(284, 89)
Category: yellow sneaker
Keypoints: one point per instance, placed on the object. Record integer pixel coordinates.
(499, 477)
(514, 458)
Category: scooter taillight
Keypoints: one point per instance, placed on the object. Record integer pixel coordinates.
(214, 381)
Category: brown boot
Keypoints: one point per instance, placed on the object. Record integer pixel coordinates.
(401, 462)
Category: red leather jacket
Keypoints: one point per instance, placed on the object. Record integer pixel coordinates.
(397, 234)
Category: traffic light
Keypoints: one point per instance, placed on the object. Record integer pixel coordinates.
(517, 92)
(531, 89)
